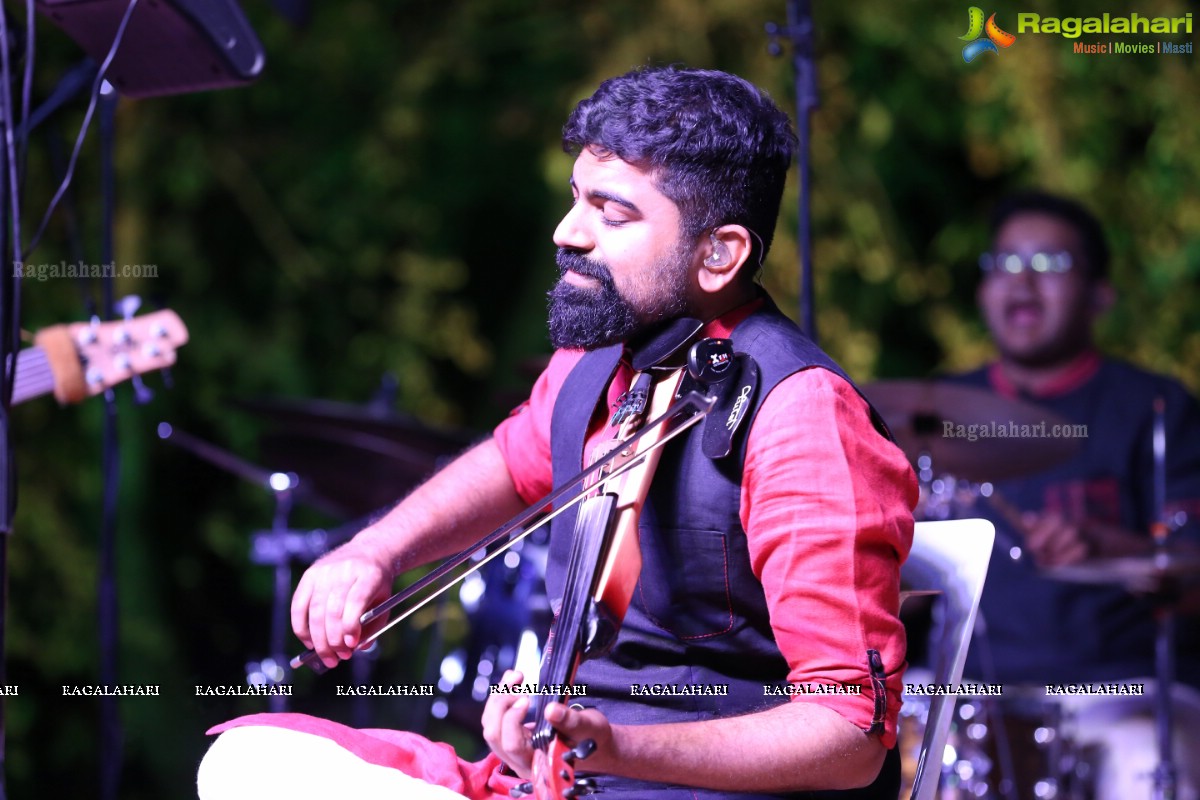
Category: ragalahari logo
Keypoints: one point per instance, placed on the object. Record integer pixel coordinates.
(977, 43)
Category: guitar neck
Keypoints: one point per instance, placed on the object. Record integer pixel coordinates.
(33, 376)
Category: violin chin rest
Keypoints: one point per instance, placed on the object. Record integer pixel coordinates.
(601, 629)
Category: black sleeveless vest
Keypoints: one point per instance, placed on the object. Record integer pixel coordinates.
(698, 617)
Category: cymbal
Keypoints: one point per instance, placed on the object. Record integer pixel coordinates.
(360, 457)
(234, 465)
(939, 419)
(371, 419)
(1138, 573)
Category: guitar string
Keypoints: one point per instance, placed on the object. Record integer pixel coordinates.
(34, 376)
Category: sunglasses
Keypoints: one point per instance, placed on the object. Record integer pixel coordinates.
(1001, 263)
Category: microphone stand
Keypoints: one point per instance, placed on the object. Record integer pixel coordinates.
(800, 30)
(10, 306)
(1165, 775)
(276, 547)
(272, 548)
(111, 732)
(8, 483)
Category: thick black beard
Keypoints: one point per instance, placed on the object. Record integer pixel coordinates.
(588, 319)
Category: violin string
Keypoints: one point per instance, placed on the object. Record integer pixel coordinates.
(591, 526)
(595, 516)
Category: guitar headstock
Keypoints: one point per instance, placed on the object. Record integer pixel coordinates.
(113, 352)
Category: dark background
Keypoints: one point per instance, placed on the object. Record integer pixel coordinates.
(381, 201)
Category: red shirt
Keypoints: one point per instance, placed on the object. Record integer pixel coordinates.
(826, 504)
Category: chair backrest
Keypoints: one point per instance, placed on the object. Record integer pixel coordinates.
(950, 558)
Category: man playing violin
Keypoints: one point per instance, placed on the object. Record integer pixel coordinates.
(770, 574)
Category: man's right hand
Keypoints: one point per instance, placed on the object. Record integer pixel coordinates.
(454, 508)
(334, 593)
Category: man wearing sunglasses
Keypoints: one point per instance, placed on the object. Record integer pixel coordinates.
(1044, 283)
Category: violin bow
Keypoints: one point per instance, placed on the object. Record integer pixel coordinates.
(511, 532)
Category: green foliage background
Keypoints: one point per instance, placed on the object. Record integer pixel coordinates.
(382, 200)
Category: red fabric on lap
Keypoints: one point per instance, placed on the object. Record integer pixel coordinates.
(410, 753)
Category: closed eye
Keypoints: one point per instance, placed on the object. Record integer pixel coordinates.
(614, 215)
(614, 209)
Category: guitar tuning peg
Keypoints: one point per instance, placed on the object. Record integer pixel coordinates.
(91, 334)
(128, 305)
(521, 789)
(142, 393)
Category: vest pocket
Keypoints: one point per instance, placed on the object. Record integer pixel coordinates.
(684, 587)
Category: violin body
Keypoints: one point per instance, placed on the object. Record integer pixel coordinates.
(553, 772)
(604, 567)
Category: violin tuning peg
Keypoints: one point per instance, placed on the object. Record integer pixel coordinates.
(521, 789)
(580, 751)
(581, 788)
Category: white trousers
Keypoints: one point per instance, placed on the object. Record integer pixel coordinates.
(254, 762)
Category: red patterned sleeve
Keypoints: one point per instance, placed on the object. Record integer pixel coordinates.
(827, 507)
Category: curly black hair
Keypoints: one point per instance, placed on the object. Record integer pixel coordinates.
(717, 145)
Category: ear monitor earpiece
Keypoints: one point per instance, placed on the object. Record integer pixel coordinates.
(719, 254)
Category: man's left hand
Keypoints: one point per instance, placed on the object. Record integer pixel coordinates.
(511, 739)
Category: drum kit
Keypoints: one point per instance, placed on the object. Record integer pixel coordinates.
(1026, 745)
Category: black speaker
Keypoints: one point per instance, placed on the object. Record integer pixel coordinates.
(169, 47)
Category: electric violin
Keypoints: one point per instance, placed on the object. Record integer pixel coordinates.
(603, 569)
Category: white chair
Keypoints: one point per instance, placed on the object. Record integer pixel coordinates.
(949, 558)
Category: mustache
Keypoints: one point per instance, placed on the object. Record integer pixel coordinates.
(574, 261)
